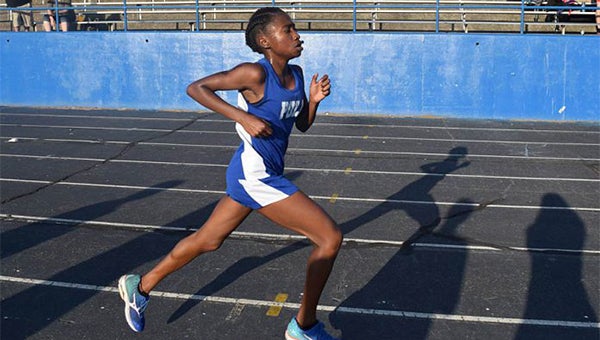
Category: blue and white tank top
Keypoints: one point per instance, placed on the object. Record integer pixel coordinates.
(279, 107)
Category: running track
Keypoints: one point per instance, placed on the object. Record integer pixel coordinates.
(454, 229)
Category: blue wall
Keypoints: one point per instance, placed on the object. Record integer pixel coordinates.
(501, 76)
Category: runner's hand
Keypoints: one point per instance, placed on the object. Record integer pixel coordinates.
(256, 127)
(319, 89)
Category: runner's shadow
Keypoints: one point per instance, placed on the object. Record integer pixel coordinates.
(401, 272)
(556, 288)
(424, 282)
(416, 199)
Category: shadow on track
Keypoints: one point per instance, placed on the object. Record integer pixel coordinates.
(556, 288)
(422, 280)
(30, 235)
(102, 270)
(427, 215)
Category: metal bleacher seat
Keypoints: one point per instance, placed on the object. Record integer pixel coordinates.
(385, 15)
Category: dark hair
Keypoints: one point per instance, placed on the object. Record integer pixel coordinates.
(257, 23)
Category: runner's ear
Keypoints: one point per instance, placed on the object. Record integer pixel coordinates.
(263, 42)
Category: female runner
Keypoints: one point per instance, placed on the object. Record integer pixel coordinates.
(271, 101)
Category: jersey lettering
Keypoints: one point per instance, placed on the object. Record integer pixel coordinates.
(290, 109)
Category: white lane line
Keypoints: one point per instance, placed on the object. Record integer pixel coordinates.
(140, 118)
(116, 186)
(401, 173)
(309, 151)
(325, 308)
(438, 154)
(475, 205)
(129, 161)
(289, 237)
(68, 140)
(77, 127)
(387, 138)
(383, 153)
(41, 157)
(226, 121)
(327, 198)
(437, 127)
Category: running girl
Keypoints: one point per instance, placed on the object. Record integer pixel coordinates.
(271, 101)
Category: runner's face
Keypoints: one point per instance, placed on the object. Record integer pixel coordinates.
(283, 37)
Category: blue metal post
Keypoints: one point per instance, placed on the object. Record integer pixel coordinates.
(437, 16)
(56, 17)
(354, 16)
(522, 26)
(197, 16)
(124, 15)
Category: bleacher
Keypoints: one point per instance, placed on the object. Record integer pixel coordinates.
(464, 16)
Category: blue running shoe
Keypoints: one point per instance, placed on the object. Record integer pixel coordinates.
(294, 332)
(135, 303)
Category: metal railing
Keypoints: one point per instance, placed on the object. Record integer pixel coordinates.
(353, 15)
